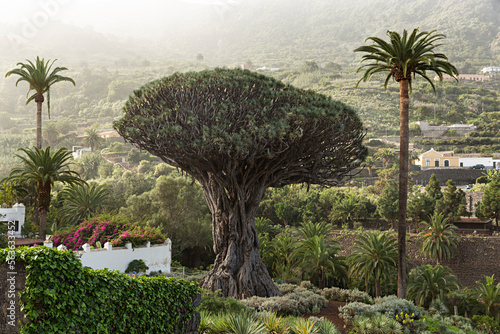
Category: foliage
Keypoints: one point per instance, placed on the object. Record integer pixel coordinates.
(178, 208)
(389, 306)
(296, 302)
(487, 296)
(81, 202)
(319, 257)
(346, 295)
(374, 256)
(42, 168)
(452, 204)
(489, 206)
(439, 240)
(420, 205)
(427, 283)
(137, 266)
(374, 324)
(486, 323)
(213, 303)
(104, 229)
(387, 203)
(100, 300)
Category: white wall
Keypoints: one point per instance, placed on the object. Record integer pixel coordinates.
(156, 257)
(16, 213)
(469, 162)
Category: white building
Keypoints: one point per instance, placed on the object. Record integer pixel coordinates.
(13, 217)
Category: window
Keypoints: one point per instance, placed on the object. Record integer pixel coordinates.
(427, 162)
(461, 164)
(436, 162)
(447, 163)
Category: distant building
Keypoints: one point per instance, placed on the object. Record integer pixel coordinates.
(435, 159)
(491, 70)
(438, 131)
(465, 77)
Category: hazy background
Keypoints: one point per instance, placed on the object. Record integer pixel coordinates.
(228, 32)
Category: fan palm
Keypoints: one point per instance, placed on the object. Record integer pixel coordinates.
(427, 283)
(438, 237)
(81, 202)
(403, 56)
(42, 168)
(320, 257)
(374, 256)
(40, 77)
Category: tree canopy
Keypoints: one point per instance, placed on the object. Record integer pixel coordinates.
(238, 132)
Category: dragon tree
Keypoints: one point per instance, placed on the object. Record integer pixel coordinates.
(237, 133)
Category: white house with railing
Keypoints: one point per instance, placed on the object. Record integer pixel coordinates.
(156, 257)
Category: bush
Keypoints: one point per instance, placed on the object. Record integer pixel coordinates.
(212, 303)
(296, 302)
(389, 306)
(102, 229)
(62, 297)
(486, 323)
(137, 266)
(346, 295)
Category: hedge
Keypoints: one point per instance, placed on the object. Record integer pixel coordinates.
(61, 296)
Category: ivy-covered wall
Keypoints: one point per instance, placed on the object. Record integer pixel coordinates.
(61, 296)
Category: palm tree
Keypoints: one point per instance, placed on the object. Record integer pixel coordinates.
(402, 57)
(438, 237)
(309, 229)
(42, 168)
(374, 256)
(81, 202)
(320, 257)
(39, 78)
(427, 283)
(369, 163)
(385, 155)
(92, 138)
(488, 297)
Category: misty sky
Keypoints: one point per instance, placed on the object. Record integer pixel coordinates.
(124, 17)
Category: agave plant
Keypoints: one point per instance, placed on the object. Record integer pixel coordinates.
(326, 327)
(273, 323)
(303, 326)
(375, 324)
(244, 323)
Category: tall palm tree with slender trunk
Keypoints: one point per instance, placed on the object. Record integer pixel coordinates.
(42, 168)
(40, 77)
(403, 56)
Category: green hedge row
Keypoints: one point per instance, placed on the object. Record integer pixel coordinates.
(61, 296)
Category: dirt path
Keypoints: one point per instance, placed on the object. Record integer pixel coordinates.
(331, 312)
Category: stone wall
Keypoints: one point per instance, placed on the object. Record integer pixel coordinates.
(460, 176)
(475, 256)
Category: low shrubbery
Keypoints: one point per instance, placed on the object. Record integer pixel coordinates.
(63, 297)
(102, 229)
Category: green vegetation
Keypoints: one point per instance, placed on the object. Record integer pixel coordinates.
(100, 300)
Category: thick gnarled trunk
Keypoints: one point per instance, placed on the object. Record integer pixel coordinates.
(404, 103)
(238, 270)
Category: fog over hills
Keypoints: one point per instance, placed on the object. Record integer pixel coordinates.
(229, 32)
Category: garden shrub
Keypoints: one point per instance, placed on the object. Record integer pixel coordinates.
(102, 229)
(486, 323)
(389, 306)
(61, 296)
(137, 266)
(212, 303)
(298, 302)
(346, 295)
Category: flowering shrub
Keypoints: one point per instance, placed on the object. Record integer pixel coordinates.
(104, 229)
